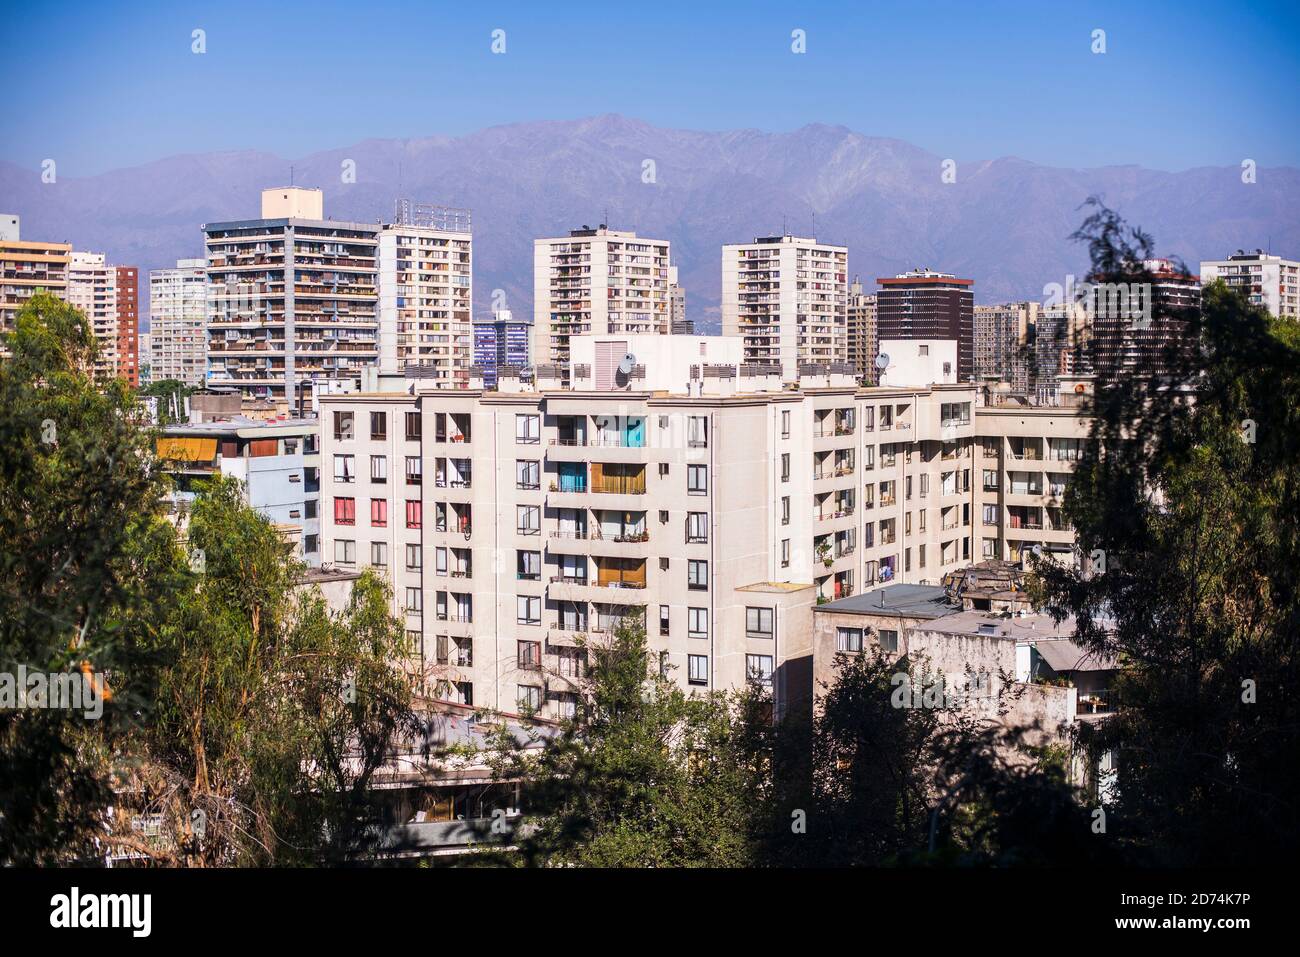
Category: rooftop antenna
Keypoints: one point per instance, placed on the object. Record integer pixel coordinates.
(290, 175)
(785, 231)
(814, 225)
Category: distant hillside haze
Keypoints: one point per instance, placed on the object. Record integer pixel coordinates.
(1004, 222)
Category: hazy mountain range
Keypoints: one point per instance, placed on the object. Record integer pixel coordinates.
(1004, 222)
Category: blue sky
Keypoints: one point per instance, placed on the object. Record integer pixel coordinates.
(102, 85)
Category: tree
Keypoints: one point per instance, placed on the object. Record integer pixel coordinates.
(643, 776)
(1186, 506)
(78, 487)
(168, 391)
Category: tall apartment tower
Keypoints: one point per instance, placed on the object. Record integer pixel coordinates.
(1001, 340)
(1135, 324)
(499, 343)
(924, 304)
(92, 288)
(293, 299)
(27, 268)
(177, 316)
(680, 325)
(426, 293)
(1264, 279)
(787, 297)
(597, 281)
(128, 324)
(862, 339)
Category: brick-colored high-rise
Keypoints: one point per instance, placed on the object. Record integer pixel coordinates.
(923, 304)
(128, 324)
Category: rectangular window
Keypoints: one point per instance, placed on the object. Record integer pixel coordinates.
(759, 622)
(530, 613)
(530, 698)
(848, 639)
(528, 519)
(342, 426)
(528, 566)
(785, 553)
(378, 425)
(888, 640)
(697, 526)
(759, 668)
(697, 431)
(414, 513)
(697, 667)
(379, 554)
(528, 474)
(344, 469)
(785, 509)
(345, 551)
(785, 466)
(379, 512)
(697, 575)
(414, 600)
(697, 479)
(414, 557)
(697, 622)
(528, 429)
(345, 511)
(785, 423)
(663, 621)
(378, 468)
(414, 469)
(413, 428)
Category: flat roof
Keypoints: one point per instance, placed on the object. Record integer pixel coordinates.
(911, 601)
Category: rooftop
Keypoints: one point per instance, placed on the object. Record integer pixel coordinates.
(911, 601)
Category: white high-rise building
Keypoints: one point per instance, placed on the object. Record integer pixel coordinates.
(426, 294)
(594, 282)
(1264, 279)
(788, 297)
(92, 288)
(177, 316)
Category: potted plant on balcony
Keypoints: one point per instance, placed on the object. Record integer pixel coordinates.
(824, 554)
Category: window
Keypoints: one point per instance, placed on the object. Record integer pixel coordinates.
(413, 429)
(697, 575)
(785, 423)
(528, 519)
(345, 511)
(344, 470)
(697, 667)
(414, 513)
(414, 468)
(342, 426)
(414, 600)
(925, 350)
(378, 425)
(379, 554)
(290, 446)
(414, 557)
(571, 662)
(663, 564)
(759, 668)
(663, 469)
(697, 431)
(530, 613)
(663, 516)
(310, 544)
(528, 566)
(378, 468)
(528, 429)
(440, 561)
(785, 466)
(888, 639)
(527, 474)
(345, 551)
(759, 622)
(785, 509)
(530, 698)
(697, 479)
(785, 553)
(663, 621)
(697, 622)
(697, 526)
(848, 639)
(379, 512)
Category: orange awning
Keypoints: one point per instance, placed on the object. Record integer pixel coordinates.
(187, 450)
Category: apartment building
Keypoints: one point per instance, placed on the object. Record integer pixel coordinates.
(862, 339)
(678, 323)
(277, 462)
(127, 282)
(925, 304)
(499, 343)
(1133, 325)
(27, 268)
(662, 475)
(92, 288)
(1000, 340)
(786, 296)
(292, 299)
(1062, 334)
(426, 293)
(597, 281)
(177, 322)
(1264, 279)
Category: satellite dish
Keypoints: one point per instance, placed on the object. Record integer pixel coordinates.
(625, 367)
(882, 360)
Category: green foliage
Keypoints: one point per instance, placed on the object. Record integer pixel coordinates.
(167, 390)
(1188, 490)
